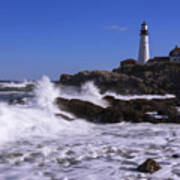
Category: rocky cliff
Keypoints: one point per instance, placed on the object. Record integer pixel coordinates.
(165, 77)
(139, 79)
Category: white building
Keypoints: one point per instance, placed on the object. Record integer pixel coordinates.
(174, 55)
(143, 56)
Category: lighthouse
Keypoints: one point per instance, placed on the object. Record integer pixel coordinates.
(143, 56)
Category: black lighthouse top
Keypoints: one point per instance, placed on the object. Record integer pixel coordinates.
(144, 23)
(144, 29)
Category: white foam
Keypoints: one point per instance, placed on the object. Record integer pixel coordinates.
(15, 84)
(131, 97)
(12, 92)
(101, 151)
(37, 119)
(88, 92)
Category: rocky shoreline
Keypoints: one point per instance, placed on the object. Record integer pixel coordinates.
(135, 111)
(138, 79)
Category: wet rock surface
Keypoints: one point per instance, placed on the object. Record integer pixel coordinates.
(139, 79)
(149, 166)
(18, 100)
(175, 156)
(64, 117)
(119, 110)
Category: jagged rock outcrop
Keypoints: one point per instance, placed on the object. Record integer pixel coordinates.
(134, 108)
(109, 81)
(164, 76)
(138, 79)
(81, 109)
(118, 111)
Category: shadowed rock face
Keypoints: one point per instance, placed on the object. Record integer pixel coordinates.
(162, 76)
(139, 79)
(90, 111)
(118, 111)
(81, 109)
(106, 81)
(149, 166)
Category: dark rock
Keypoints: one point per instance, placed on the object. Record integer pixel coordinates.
(65, 77)
(81, 109)
(41, 164)
(162, 78)
(175, 156)
(106, 81)
(18, 100)
(149, 166)
(90, 111)
(136, 110)
(64, 117)
(118, 111)
(110, 115)
(139, 79)
(14, 155)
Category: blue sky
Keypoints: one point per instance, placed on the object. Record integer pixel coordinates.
(51, 37)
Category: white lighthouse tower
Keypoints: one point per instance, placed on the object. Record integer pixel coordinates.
(144, 45)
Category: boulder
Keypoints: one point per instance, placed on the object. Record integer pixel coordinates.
(149, 166)
(175, 156)
(81, 109)
(90, 111)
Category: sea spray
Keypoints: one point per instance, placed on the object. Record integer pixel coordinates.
(90, 92)
(37, 119)
(45, 94)
(87, 92)
(15, 84)
(52, 148)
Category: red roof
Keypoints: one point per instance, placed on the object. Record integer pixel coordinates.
(129, 61)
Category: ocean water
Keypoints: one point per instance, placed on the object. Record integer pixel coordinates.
(37, 145)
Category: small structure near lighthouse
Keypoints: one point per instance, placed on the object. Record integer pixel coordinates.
(174, 55)
(143, 56)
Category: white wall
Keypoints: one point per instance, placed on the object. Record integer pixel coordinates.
(143, 49)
